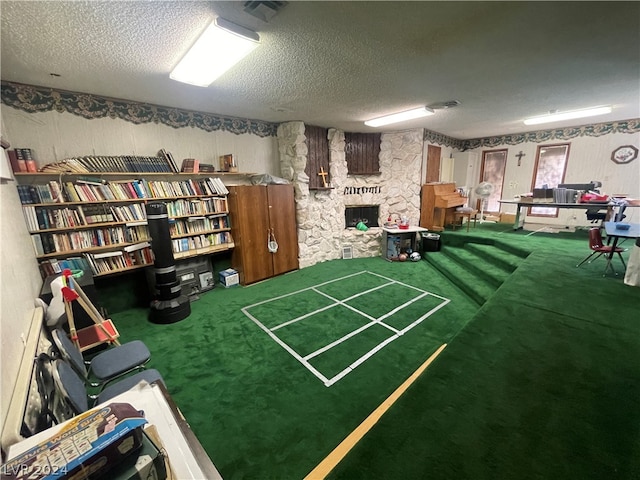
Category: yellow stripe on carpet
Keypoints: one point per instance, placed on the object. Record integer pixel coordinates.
(329, 463)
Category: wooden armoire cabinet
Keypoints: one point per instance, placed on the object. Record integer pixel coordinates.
(256, 212)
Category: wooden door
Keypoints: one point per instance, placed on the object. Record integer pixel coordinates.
(433, 164)
(249, 228)
(282, 218)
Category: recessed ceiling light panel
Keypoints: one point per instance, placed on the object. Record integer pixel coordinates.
(220, 47)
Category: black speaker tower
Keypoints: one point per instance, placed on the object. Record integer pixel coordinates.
(170, 306)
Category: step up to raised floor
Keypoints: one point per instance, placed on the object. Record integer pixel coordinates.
(476, 269)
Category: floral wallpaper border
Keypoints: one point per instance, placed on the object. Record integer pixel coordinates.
(595, 130)
(441, 139)
(32, 99)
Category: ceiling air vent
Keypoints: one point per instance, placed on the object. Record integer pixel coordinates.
(444, 105)
(263, 10)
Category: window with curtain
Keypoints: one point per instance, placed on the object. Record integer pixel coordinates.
(549, 171)
(493, 166)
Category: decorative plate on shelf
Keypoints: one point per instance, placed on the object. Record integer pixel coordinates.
(624, 154)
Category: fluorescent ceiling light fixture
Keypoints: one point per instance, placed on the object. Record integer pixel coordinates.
(557, 117)
(400, 117)
(220, 47)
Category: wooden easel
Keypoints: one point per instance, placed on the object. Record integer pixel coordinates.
(104, 331)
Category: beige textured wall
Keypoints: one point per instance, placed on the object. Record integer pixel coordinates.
(589, 159)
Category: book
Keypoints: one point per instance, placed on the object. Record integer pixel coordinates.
(13, 160)
(169, 160)
(56, 191)
(24, 191)
(17, 160)
(91, 180)
(38, 246)
(27, 154)
(190, 165)
(107, 254)
(71, 192)
(228, 163)
(137, 246)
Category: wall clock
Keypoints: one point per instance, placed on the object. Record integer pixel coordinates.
(624, 154)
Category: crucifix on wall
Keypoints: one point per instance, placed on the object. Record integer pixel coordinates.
(520, 155)
(324, 174)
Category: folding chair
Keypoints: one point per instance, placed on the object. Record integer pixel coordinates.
(73, 389)
(105, 366)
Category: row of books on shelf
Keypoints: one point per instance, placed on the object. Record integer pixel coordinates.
(202, 206)
(134, 255)
(44, 218)
(100, 263)
(131, 256)
(54, 266)
(112, 163)
(96, 190)
(210, 211)
(200, 241)
(47, 243)
(197, 225)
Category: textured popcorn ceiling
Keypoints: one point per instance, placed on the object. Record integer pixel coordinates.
(336, 64)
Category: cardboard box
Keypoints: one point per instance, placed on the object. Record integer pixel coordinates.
(229, 278)
(84, 447)
(507, 218)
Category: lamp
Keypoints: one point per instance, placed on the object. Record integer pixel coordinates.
(219, 47)
(400, 117)
(556, 117)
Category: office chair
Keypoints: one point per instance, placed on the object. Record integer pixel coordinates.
(106, 365)
(74, 391)
(596, 246)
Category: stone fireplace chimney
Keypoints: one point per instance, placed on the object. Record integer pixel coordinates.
(321, 213)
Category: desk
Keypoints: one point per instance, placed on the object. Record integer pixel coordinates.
(519, 221)
(616, 234)
(395, 240)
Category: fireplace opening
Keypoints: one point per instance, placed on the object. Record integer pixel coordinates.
(367, 214)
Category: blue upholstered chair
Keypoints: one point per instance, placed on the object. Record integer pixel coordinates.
(105, 366)
(74, 391)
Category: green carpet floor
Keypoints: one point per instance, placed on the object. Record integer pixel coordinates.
(541, 381)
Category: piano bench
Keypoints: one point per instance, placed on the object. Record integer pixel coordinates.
(459, 216)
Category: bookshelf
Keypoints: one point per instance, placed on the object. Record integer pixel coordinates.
(97, 220)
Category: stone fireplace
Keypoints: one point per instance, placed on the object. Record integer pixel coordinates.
(321, 213)
(367, 214)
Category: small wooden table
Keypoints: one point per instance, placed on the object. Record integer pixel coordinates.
(396, 239)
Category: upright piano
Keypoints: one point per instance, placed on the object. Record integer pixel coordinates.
(438, 205)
